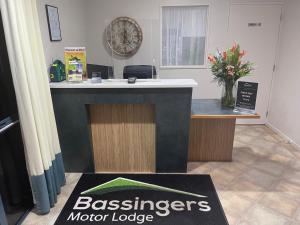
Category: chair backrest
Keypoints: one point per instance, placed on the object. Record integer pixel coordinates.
(106, 71)
(139, 71)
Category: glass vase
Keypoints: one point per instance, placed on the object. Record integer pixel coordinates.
(229, 91)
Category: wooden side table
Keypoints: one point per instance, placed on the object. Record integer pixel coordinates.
(212, 130)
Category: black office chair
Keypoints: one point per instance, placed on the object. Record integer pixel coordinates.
(139, 71)
(106, 71)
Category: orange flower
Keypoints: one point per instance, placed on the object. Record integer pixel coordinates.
(242, 53)
(234, 47)
(225, 55)
(211, 59)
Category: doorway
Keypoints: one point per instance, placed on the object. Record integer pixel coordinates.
(256, 28)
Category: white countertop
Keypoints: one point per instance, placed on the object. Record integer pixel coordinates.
(122, 83)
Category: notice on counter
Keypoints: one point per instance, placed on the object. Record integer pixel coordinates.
(246, 96)
(75, 61)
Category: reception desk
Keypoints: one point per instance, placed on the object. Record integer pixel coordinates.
(212, 130)
(119, 127)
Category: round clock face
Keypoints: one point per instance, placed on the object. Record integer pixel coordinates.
(124, 36)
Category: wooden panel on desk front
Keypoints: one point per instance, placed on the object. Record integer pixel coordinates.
(211, 139)
(123, 137)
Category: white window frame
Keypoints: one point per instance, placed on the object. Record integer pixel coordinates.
(205, 65)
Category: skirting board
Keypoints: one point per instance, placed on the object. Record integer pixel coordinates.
(283, 135)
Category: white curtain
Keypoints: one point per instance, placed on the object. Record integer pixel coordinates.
(183, 35)
(29, 71)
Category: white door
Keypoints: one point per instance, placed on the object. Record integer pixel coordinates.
(256, 28)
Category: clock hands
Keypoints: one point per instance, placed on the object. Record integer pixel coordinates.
(124, 34)
(127, 35)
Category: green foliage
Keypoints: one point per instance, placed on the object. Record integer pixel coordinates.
(227, 67)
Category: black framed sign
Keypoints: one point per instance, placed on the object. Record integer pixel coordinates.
(246, 95)
(53, 23)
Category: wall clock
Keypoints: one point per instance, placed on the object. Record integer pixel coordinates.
(124, 36)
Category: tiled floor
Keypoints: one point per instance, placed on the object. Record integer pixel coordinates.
(260, 187)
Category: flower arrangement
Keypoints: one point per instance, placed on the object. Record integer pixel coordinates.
(227, 67)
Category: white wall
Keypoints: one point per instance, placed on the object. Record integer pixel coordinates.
(147, 14)
(102, 12)
(91, 18)
(72, 24)
(83, 23)
(285, 104)
(256, 1)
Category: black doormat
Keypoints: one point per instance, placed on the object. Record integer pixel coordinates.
(156, 199)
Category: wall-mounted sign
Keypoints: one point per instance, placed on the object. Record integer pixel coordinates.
(112, 199)
(254, 24)
(246, 96)
(53, 23)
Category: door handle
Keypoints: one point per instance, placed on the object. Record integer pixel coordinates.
(3, 129)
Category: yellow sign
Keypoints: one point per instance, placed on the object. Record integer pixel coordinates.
(75, 61)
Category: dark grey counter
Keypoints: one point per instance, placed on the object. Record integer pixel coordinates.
(172, 117)
(214, 108)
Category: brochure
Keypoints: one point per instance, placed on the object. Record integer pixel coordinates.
(75, 61)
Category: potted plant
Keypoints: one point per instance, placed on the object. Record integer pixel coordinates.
(227, 67)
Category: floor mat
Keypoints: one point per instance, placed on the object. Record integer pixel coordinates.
(156, 199)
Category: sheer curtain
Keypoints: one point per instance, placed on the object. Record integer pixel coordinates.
(183, 35)
(29, 72)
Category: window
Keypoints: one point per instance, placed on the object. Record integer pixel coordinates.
(183, 36)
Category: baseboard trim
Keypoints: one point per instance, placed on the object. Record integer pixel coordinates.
(283, 135)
